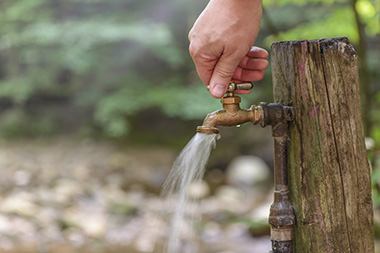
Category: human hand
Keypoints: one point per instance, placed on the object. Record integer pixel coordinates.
(221, 44)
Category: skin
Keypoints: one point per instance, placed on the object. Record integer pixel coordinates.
(221, 44)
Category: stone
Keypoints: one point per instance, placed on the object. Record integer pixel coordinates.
(369, 143)
(21, 203)
(211, 232)
(230, 199)
(261, 213)
(21, 177)
(66, 189)
(198, 190)
(246, 171)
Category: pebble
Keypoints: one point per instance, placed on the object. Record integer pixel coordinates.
(198, 190)
(63, 193)
(21, 203)
(247, 171)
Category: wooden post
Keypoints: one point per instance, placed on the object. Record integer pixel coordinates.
(329, 175)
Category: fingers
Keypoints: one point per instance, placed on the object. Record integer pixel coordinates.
(242, 92)
(257, 52)
(252, 66)
(253, 63)
(218, 71)
(223, 72)
(248, 75)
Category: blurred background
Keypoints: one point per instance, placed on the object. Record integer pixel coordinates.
(97, 97)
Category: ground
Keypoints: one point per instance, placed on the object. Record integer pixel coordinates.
(66, 195)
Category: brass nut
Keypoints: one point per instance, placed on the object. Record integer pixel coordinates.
(231, 100)
(207, 130)
(282, 234)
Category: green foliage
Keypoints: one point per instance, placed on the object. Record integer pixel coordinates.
(370, 16)
(325, 27)
(16, 123)
(37, 48)
(190, 102)
(375, 180)
(119, 57)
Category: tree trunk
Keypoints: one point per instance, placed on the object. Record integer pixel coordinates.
(329, 175)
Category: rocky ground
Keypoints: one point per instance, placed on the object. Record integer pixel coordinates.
(86, 196)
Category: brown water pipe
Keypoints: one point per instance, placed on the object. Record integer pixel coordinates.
(281, 217)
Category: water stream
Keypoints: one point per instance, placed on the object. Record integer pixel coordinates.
(188, 168)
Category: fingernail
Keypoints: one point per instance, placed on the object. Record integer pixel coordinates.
(253, 48)
(218, 90)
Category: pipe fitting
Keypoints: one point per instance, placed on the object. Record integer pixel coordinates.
(230, 100)
(207, 130)
(281, 218)
(230, 115)
(275, 113)
(281, 215)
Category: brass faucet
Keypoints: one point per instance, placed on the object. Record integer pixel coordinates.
(231, 114)
(282, 217)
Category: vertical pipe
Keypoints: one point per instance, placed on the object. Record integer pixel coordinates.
(281, 217)
(280, 162)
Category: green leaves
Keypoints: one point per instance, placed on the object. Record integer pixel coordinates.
(191, 102)
(370, 16)
(339, 23)
(118, 58)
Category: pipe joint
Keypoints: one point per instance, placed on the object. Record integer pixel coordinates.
(274, 114)
(281, 218)
(230, 115)
(281, 211)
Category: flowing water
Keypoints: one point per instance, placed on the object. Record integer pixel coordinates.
(188, 168)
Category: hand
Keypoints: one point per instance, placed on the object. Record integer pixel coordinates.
(221, 44)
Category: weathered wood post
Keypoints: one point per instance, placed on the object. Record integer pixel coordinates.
(329, 175)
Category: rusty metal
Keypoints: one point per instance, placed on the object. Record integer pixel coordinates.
(276, 114)
(230, 115)
(207, 130)
(282, 247)
(281, 217)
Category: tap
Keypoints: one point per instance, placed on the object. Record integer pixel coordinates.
(231, 114)
(282, 215)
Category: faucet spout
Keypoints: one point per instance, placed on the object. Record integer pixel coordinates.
(282, 215)
(230, 115)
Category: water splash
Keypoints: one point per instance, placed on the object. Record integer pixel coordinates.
(188, 168)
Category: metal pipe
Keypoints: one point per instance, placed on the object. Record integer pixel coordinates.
(281, 217)
(281, 172)
(230, 115)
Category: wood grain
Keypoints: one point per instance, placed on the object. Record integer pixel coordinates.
(329, 175)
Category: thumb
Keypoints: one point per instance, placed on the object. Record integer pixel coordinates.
(222, 74)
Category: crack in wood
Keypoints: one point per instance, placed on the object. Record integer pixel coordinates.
(329, 178)
(336, 148)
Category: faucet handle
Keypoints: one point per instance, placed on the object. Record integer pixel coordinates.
(232, 87)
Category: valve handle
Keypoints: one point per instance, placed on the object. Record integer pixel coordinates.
(232, 87)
